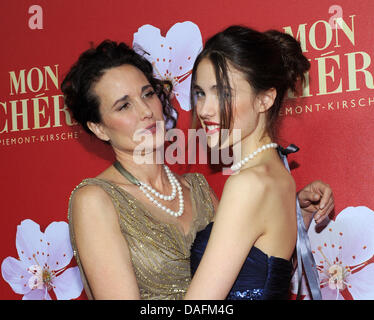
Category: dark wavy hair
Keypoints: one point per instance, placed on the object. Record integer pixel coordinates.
(270, 59)
(90, 67)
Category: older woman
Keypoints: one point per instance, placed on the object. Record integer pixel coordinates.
(132, 226)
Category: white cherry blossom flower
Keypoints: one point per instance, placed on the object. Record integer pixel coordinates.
(344, 254)
(41, 267)
(172, 56)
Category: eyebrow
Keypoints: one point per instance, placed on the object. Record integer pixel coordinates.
(125, 97)
(212, 87)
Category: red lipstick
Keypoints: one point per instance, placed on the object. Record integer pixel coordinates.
(211, 127)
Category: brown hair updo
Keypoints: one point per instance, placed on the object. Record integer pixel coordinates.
(270, 59)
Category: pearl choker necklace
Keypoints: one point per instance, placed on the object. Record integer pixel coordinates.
(175, 185)
(239, 164)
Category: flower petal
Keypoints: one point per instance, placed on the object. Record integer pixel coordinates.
(304, 292)
(30, 243)
(351, 222)
(339, 239)
(15, 273)
(172, 56)
(185, 41)
(37, 295)
(325, 244)
(68, 285)
(182, 94)
(59, 246)
(329, 294)
(362, 283)
(149, 42)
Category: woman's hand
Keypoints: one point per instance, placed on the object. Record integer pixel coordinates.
(316, 200)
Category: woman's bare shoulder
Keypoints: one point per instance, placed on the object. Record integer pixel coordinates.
(87, 192)
(253, 190)
(92, 202)
(252, 179)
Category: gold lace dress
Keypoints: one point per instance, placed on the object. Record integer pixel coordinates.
(160, 252)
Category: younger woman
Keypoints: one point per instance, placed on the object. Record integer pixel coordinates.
(238, 83)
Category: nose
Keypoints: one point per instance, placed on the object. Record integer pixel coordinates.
(145, 112)
(207, 109)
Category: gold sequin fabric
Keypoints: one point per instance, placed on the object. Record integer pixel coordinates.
(160, 252)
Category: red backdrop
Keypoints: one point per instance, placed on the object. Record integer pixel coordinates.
(44, 155)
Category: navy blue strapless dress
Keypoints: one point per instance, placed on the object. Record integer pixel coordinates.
(261, 277)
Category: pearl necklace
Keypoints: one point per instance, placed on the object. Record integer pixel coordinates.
(239, 164)
(175, 185)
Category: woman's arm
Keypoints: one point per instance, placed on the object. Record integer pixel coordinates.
(237, 226)
(103, 251)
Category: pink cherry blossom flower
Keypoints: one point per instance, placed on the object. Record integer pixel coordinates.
(344, 254)
(172, 56)
(42, 262)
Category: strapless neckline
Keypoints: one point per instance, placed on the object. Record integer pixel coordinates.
(255, 250)
(261, 276)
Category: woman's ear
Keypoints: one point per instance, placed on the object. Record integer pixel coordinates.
(98, 130)
(266, 99)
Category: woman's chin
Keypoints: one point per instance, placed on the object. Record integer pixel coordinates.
(215, 144)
